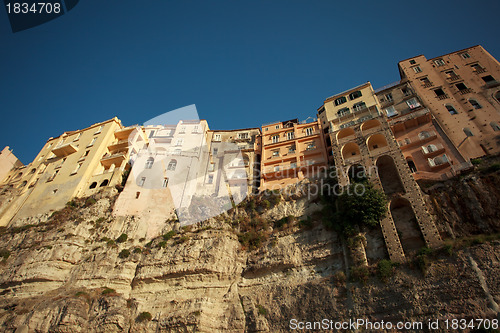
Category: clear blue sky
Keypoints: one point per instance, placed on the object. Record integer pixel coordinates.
(242, 63)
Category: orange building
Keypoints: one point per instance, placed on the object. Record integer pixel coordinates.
(291, 151)
(428, 151)
(462, 91)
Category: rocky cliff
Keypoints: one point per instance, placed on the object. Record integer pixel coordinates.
(253, 269)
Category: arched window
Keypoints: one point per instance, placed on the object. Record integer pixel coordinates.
(149, 163)
(423, 135)
(32, 171)
(495, 126)
(93, 185)
(431, 148)
(23, 184)
(105, 182)
(411, 165)
(475, 104)
(451, 109)
(172, 165)
(468, 132)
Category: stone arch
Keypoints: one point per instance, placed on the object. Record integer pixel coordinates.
(246, 159)
(93, 185)
(344, 133)
(356, 173)
(369, 124)
(406, 223)
(389, 175)
(349, 150)
(376, 141)
(105, 182)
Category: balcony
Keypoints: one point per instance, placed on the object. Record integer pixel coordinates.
(432, 150)
(438, 162)
(65, 149)
(108, 159)
(428, 84)
(120, 145)
(441, 97)
(123, 133)
(465, 91)
(491, 84)
(453, 78)
(479, 70)
(409, 116)
(411, 142)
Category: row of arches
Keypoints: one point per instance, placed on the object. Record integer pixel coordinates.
(105, 182)
(367, 125)
(374, 142)
(387, 173)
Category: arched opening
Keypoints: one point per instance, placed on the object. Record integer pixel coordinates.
(149, 163)
(468, 132)
(172, 165)
(495, 126)
(93, 185)
(369, 124)
(451, 109)
(389, 175)
(344, 133)
(33, 171)
(406, 225)
(424, 135)
(104, 183)
(23, 184)
(246, 160)
(376, 141)
(350, 150)
(411, 165)
(356, 173)
(475, 104)
(19, 175)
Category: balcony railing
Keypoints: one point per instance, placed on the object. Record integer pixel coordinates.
(491, 84)
(441, 97)
(432, 149)
(453, 78)
(428, 84)
(465, 91)
(480, 70)
(410, 115)
(417, 139)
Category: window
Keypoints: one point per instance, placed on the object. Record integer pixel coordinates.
(391, 111)
(451, 109)
(165, 182)
(439, 92)
(423, 135)
(439, 62)
(477, 68)
(497, 96)
(388, 97)
(183, 129)
(32, 171)
(86, 153)
(277, 168)
(412, 62)
(430, 148)
(309, 131)
(417, 69)
(243, 136)
(151, 134)
(275, 138)
(53, 176)
(290, 135)
(178, 151)
(411, 165)
(105, 182)
(277, 126)
(413, 103)
(99, 130)
(92, 142)
(311, 146)
(195, 129)
(468, 132)
(495, 126)
(488, 79)
(93, 185)
(475, 104)
(355, 95)
(359, 106)
(450, 74)
(465, 55)
(78, 137)
(426, 82)
(342, 112)
(149, 163)
(210, 179)
(172, 165)
(461, 86)
(291, 149)
(215, 151)
(406, 91)
(276, 153)
(179, 142)
(78, 166)
(217, 137)
(438, 160)
(142, 181)
(293, 165)
(340, 100)
(211, 167)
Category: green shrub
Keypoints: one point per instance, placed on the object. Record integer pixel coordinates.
(425, 251)
(71, 204)
(448, 249)
(108, 291)
(183, 239)
(124, 254)
(422, 262)
(122, 238)
(261, 310)
(4, 253)
(360, 273)
(81, 293)
(385, 269)
(252, 239)
(90, 202)
(476, 161)
(144, 316)
(266, 204)
(169, 235)
(111, 242)
(339, 278)
(162, 244)
(137, 250)
(494, 167)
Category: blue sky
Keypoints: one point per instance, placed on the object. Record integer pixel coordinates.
(243, 63)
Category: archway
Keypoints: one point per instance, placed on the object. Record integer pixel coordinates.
(369, 124)
(349, 150)
(104, 183)
(93, 185)
(356, 173)
(344, 133)
(406, 224)
(376, 141)
(389, 175)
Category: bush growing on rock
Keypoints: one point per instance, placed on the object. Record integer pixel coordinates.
(123, 238)
(144, 316)
(4, 253)
(124, 254)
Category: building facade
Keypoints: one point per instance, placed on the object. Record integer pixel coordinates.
(463, 92)
(75, 164)
(8, 162)
(427, 150)
(291, 151)
(360, 139)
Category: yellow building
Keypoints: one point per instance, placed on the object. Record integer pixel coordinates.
(8, 162)
(291, 151)
(74, 164)
(360, 139)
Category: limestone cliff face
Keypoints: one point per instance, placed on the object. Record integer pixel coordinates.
(72, 272)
